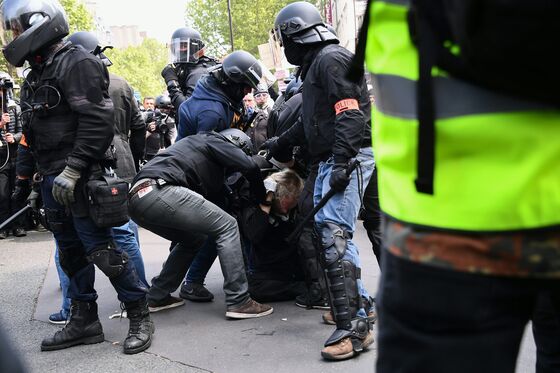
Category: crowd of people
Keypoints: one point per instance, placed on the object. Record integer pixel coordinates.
(273, 183)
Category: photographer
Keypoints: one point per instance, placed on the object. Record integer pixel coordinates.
(10, 135)
(160, 126)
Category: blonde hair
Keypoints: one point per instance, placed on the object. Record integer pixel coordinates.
(289, 184)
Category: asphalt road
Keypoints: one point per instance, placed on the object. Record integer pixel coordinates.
(192, 338)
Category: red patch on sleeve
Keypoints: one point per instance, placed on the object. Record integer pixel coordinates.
(346, 104)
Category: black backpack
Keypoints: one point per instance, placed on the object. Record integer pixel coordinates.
(507, 46)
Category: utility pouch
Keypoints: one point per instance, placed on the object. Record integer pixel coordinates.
(107, 198)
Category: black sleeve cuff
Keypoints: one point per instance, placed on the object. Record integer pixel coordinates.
(77, 163)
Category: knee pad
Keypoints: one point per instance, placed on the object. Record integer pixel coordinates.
(333, 243)
(110, 261)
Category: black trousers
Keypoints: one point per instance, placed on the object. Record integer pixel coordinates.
(272, 289)
(7, 206)
(440, 321)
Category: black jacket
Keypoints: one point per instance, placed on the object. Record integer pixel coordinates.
(72, 120)
(325, 84)
(201, 162)
(285, 116)
(130, 130)
(14, 127)
(188, 75)
(271, 254)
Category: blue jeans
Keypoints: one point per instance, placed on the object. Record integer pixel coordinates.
(125, 237)
(64, 283)
(202, 262)
(77, 237)
(343, 208)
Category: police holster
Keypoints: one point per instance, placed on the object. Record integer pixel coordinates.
(107, 200)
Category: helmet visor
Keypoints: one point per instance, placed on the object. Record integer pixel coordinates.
(259, 75)
(18, 16)
(187, 50)
(277, 36)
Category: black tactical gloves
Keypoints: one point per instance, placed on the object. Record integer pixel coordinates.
(63, 186)
(272, 146)
(339, 179)
(21, 191)
(168, 73)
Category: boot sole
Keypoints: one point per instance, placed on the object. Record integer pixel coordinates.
(82, 341)
(328, 356)
(314, 307)
(143, 347)
(239, 315)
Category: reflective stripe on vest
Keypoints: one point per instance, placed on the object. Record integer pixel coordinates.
(497, 158)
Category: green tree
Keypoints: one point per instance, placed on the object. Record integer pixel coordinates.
(252, 20)
(141, 66)
(79, 19)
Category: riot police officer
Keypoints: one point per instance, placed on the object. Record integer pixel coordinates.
(68, 126)
(188, 64)
(335, 126)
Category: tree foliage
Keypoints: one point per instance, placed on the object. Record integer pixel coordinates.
(141, 66)
(251, 20)
(79, 17)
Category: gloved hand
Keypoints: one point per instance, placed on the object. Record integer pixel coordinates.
(32, 199)
(168, 73)
(21, 190)
(270, 185)
(339, 180)
(63, 186)
(272, 147)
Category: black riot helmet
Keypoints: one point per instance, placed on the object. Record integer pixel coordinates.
(163, 102)
(239, 139)
(89, 42)
(186, 46)
(301, 22)
(32, 25)
(243, 68)
(239, 73)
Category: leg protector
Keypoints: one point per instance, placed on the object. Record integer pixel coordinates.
(342, 283)
(108, 260)
(308, 253)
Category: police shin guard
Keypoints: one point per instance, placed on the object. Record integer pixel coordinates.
(352, 333)
(316, 296)
(141, 328)
(82, 328)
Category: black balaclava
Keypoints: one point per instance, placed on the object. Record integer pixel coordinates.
(235, 92)
(294, 52)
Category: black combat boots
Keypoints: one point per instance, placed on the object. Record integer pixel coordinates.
(139, 336)
(82, 328)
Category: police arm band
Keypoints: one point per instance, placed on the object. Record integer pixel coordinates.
(346, 104)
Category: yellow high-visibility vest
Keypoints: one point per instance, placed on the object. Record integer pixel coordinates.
(497, 158)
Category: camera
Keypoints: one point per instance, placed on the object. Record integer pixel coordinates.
(159, 118)
(6, 82)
